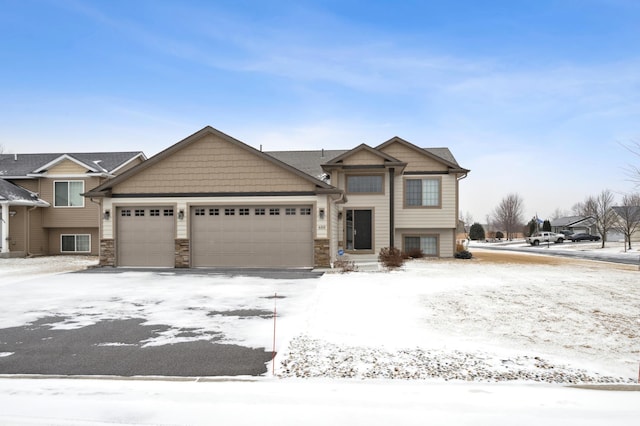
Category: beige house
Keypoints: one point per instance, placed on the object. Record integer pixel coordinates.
(212, 201)
(42, 209)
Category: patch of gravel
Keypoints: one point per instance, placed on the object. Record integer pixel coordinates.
(311, 358)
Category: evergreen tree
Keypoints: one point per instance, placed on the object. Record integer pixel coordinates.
(476, 232)
(532, 227)
(546, 225)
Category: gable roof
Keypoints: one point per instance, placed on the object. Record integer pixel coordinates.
(14, 195)
(627, 211)
(27, 165)
(442, 155)
(106, 187)
(388, 160)
(571, 221)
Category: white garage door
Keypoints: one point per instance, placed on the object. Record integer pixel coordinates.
(256, 236)
(145, 236)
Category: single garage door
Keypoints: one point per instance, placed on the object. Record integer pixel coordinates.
(256, 236)
(145, 236)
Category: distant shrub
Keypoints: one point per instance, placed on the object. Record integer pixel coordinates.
(390, 257)
(463, 254)
(499, 235)
(476, 233)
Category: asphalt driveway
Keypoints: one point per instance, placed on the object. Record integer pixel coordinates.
(118, 340)
(115, 347)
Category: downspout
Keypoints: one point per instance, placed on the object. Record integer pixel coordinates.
(392, 225)
(99, 203)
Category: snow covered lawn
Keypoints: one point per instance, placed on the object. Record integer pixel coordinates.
(517, 319)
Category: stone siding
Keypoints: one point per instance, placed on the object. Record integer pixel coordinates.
(183, 253)
(321, 253)
(107, 252)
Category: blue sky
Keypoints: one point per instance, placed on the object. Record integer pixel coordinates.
(535, 97)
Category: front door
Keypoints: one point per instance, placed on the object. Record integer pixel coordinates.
(359, 235)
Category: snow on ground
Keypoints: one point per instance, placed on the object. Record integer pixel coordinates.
(470, 322)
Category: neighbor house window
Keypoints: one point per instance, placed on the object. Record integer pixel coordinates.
(422, 192)
(367, 184)
(67, 193)
(75, 243)
(428, 244)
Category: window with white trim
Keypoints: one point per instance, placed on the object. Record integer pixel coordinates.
(423, 192)
(76, 243)
(67, 193)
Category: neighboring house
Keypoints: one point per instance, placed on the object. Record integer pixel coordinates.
(627, 219)
(43, 211)
(575, 224)
(211, 200)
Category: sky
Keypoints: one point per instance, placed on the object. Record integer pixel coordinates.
(535, 98)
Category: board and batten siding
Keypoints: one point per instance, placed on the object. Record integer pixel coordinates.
(212, 164)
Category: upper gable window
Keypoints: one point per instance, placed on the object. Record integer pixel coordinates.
(425, 192)
(367, 184)
(67, 193)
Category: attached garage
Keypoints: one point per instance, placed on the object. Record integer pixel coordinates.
(252, 236)
(146, 236)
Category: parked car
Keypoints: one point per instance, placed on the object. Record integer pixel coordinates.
(584, 237)
(545, 236)
(567, 233)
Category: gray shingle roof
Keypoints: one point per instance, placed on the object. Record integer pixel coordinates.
(310, 161)
(15, 195)
(16, 165)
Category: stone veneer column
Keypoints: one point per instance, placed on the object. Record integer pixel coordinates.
(107, 252)
(321, 253)
(183, 254)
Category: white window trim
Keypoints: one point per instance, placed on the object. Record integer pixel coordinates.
(67, 207)
(76, 243)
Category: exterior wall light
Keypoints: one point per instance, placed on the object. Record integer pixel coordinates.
(181, 214)
(107, 215)
(321, 213)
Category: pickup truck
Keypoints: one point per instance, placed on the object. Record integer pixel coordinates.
(543, 237)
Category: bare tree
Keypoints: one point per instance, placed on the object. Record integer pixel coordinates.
(508, 214)
(628, 217)
(558, 213)
(599, 208)
(633, 170)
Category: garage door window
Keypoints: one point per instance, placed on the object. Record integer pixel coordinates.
(214, 212)
(259, 212)
(274, 212)
(75, 243)
(168, 212)
(243, 212)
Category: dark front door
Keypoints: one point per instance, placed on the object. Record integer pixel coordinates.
(359, 235)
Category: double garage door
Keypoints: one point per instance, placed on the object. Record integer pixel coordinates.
(221, 236)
